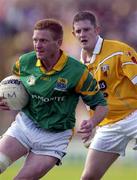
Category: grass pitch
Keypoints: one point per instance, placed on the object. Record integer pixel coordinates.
(122, 169)
(73, 171)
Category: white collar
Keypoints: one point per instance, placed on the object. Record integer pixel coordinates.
(98, 45)
(96, 51)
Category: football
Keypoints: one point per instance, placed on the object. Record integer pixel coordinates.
(14, 93)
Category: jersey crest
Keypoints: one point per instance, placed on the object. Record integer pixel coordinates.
(61, 84)
(31, 80)
(105, 69)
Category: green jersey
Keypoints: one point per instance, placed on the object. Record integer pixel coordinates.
(54, 94)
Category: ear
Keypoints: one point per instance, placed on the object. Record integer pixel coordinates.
(73, 33)
(59, 42)
(97, 30)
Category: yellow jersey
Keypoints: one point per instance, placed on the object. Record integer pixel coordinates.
(114, 65)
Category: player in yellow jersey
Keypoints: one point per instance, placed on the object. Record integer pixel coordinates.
(114, 66)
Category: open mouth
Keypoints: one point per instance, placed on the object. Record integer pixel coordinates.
(40, 52)
(83, 41)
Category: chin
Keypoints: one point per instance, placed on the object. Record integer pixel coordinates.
(85, 47)
(40, 57)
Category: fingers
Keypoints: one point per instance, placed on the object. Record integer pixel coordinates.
(3, 104)
(85, 127)
(85, 130)
(2, 98)
(4, 108)
(85, 137)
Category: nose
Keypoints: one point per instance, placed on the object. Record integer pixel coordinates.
(82, 33)
(38, 44)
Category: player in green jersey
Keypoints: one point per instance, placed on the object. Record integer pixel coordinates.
(54, 82)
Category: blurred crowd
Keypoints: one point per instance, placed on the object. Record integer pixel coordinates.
(117, 18)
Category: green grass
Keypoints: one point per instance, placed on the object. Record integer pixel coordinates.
(73, 171)
(121, 173)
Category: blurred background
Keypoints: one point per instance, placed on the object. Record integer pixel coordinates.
(117, 18)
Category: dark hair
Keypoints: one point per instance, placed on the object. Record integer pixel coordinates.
(86, 15)
(52, 25)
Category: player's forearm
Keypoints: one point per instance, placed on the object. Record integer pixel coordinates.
(99, 114)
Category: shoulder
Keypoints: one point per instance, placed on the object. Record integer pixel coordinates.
(29, 55)
(75, 68)
(75, 63)
(117, 45)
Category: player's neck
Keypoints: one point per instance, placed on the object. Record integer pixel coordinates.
(89, 53)
(50, 62)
